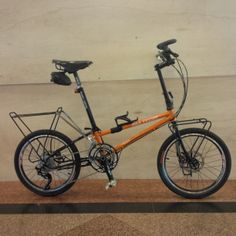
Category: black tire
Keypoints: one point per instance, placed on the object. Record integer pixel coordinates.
(30, 153)
(166, 164)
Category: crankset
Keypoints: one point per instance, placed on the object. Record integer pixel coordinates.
(104, 158)
(101, 155)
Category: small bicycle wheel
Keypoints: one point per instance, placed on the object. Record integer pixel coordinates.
(206, 172)
(41, 169)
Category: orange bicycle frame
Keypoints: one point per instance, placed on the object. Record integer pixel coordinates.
(163, 118)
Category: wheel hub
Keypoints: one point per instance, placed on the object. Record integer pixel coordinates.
(45, 165)
(195, 164)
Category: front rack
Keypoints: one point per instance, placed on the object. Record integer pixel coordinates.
(206, 124)
(59, 114)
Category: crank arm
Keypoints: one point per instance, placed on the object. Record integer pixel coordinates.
(112, 181)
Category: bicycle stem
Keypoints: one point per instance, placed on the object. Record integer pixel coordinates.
(168, 100)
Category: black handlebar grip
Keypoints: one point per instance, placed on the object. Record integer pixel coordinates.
(164, 45)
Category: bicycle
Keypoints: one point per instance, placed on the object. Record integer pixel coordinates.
(192, 162)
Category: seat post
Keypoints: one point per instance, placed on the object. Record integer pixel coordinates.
(80, 90)
(77, 79)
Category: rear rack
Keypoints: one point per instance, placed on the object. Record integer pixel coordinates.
(59, 114)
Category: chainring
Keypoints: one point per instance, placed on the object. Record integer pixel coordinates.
(101, 151)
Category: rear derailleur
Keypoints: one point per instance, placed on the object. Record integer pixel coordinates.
(44, 166)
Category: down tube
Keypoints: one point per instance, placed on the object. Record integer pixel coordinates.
(141, 134)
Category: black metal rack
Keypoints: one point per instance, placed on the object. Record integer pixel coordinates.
(206, 124)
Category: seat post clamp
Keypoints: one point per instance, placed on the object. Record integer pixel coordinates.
(78, 89)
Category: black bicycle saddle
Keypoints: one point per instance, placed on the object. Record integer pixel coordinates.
(71, 66)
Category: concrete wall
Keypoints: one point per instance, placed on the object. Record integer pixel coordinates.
(120, 36)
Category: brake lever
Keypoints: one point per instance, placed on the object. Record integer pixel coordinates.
(174, 54)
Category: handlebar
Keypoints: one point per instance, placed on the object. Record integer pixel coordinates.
(164, 45)
(166, 52)
(168, 58)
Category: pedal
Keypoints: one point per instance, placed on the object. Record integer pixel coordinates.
(110, 184)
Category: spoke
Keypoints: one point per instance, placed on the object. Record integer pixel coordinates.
(26, 151)
(213, 161)
(175, 173)
(173, 151)
(202, 139)
(201, 142)
(209, 150)
(191, 184)
(54, 146)
(197, 179)
(202, 180)
(212, 156)
(58, 182)
(28, 171)
(172, 165)
(172, 162)
(170, 156)
(62, 173)
(173, 170)
(184, 142)
(29, 165)
(35, 177)
(201, 173)
(212, 166)
(185, 183)
(211, 171)
(31, 175)
(31, 154)
(190, 140)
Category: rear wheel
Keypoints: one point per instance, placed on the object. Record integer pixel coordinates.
(41, 172)
(206, 172)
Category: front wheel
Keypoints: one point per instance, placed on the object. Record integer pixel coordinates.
(47, 162)
(203, 172)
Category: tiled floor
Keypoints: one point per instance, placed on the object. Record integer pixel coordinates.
(93, 191)
(119, 224)
(127, 191)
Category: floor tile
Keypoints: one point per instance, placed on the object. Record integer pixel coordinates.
(41, 225)
(104, 225)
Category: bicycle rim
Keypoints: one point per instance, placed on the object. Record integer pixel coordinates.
(211, 170)
(32, 155)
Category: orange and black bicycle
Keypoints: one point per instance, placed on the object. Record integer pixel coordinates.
(192, 162)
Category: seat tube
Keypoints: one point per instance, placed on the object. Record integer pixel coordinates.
(80, 90)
